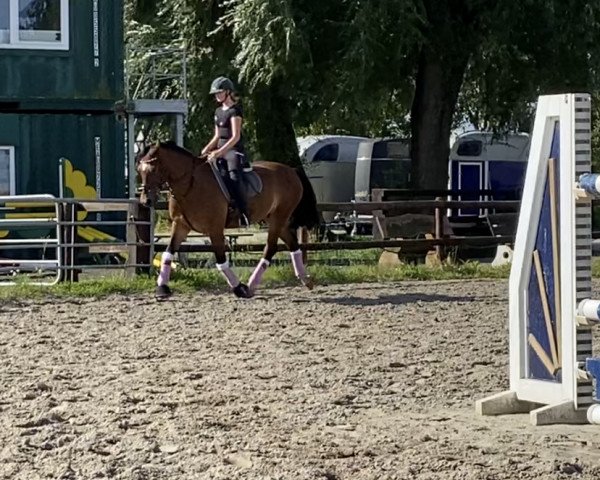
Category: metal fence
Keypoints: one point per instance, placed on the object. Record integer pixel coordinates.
(37, 219)
(45, 240)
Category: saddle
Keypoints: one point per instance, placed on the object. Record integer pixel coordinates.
(251, 184)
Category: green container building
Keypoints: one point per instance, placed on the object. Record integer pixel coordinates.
(92, 142)
(62, 64)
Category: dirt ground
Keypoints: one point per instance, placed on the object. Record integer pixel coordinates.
(347, 382)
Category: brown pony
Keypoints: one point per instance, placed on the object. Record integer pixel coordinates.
(286, 202)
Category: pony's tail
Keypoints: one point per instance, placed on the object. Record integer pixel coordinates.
(306, 213)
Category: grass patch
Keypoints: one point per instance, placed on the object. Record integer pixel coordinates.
(98, 287)
(595, 267)
(208, 279)
(192, 280)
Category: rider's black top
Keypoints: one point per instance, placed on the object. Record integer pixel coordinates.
(223, 122)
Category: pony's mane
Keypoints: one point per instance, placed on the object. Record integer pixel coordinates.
(171, 145)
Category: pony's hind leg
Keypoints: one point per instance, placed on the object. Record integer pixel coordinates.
(179, 232)
(239, 289)
(289, 237)
(269, 253)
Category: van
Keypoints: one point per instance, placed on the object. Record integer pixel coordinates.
(381, 163)
(330, 164)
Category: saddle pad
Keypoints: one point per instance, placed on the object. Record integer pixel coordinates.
(252, 183)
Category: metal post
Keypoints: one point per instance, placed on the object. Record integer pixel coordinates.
(179, 129)
(143, 234)
(61, 177)
(131, 239)
(131, 173)
(184, 74)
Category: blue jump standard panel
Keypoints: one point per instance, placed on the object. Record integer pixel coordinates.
(543, 244)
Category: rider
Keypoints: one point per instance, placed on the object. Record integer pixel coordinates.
(228, 142)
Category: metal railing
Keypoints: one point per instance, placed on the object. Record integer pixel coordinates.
(47, 239)
(156, 73)
(39, 231)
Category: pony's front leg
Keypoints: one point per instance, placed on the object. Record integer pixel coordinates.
(263, 264)
(179, 232)
(239, 289)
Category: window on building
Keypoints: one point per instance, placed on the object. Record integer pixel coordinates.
(328, 153)
(470, 148)
(4, 22)
(34, 24)
(7, 170)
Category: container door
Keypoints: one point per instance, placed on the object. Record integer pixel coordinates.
(507, 179)
(470, 178)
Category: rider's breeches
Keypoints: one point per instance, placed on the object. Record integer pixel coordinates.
(234, 165)
(234, 169)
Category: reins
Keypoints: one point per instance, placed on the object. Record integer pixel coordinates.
(187, 191)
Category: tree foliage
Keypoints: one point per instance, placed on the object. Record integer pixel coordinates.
(533, 48)
(376, 67)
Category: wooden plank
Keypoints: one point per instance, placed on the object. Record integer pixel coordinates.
(406, 206)
(105, 207)
(161, 236)
(386, 193)
(555, 252)
(399, 207)
(379, 225)
(544, 297)
(425, 244)
(108, 249)
(541, 353)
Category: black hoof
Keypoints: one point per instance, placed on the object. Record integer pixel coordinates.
(162, 292)
(242, 291)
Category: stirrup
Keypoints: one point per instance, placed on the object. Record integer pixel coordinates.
(244, 221)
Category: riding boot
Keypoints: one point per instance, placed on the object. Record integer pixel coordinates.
(240, 201)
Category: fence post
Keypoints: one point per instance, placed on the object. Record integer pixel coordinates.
(69, 237)
(131, 239)
(379, 222)
(144, 232)
(439, 232)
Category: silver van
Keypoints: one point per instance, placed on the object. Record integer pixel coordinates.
(330, 163)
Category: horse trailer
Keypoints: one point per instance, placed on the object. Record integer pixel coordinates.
(489, 162)
(330, 163)
(483, 165)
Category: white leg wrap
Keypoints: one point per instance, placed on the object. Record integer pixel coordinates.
(165, 269)
(257, 274)
(229, 274)
(298, 263)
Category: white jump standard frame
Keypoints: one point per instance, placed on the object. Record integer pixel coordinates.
(551, 273)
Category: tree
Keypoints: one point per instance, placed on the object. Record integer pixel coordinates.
(192, 25)
(380, 67)
(270, 54)
(534, 48)
(508, 53)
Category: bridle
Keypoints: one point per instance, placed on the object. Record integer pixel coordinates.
(147, 189)
(176, 180)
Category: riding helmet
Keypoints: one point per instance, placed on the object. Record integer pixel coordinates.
(221, 84)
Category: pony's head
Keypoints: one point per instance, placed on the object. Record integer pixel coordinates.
(151, 174)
